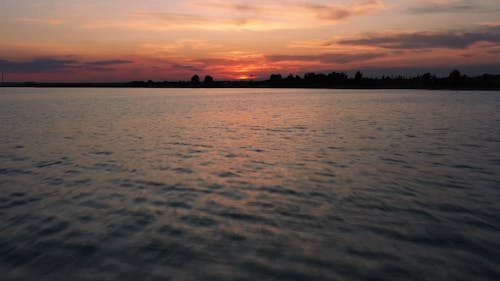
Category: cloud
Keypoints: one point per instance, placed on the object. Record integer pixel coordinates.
(165, 21)
(447, 7)
(232, 6)
(183, 67)
(108, 62)
(457, 6)
(41, 20)
(169, 17)
(102, 65)
(427, 40)
(336, 12)
(327, 58)
(230, 15)
(54, 65)
(328, 12)
(181, 46)
(37, 65)
(439, 70)
(494, 51)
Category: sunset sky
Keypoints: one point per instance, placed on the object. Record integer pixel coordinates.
(123, 40)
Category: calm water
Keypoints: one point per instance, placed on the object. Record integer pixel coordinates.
(255, 184)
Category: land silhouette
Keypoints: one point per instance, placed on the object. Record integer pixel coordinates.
(334, 80)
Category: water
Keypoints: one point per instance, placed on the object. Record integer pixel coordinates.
(249, 184)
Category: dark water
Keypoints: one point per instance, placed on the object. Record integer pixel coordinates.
(167, 184)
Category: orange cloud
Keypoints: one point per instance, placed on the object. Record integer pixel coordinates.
(230, 16)
(41, 20)
(336, 12)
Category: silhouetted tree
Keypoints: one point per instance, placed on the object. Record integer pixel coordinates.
(455, 78)
(358, 76)
(336, 78)
(208, 80)
(309, 76)
(321, 78)
(455, 75)
(195, 79)
(427, 80)
(275, 77)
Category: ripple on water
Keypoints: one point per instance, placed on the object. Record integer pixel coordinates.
(177, 204)
(108, 167)
(182, 170)
(167, 252)
(198, 221)
(53, 228)
(14, 171)
(169, 230)
(102, 153)
(94, 204)
(227, 174)
(249, 184)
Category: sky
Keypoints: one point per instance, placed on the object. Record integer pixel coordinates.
(125, 40)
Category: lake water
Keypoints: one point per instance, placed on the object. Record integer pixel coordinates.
(249, 184)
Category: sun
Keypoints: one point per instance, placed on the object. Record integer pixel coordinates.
(243, 77)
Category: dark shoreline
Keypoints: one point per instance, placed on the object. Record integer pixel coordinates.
(236, 86)
(334, 80)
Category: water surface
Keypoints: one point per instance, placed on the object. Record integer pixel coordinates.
(249, 184)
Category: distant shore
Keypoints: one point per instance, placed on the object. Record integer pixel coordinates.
(334, 80)
(232, 86)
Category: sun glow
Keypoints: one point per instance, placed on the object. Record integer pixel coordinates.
(231, 40)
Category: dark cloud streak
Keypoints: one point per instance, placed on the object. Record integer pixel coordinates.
(54, 65)
(185, 67)
(108, 62)
(327, 58)
(341, 12)
(38, 65)
(452, 7)
(428, 40)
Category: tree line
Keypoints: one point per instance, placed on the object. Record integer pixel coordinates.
(455, 80)
(341, 80)
(337, 80)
